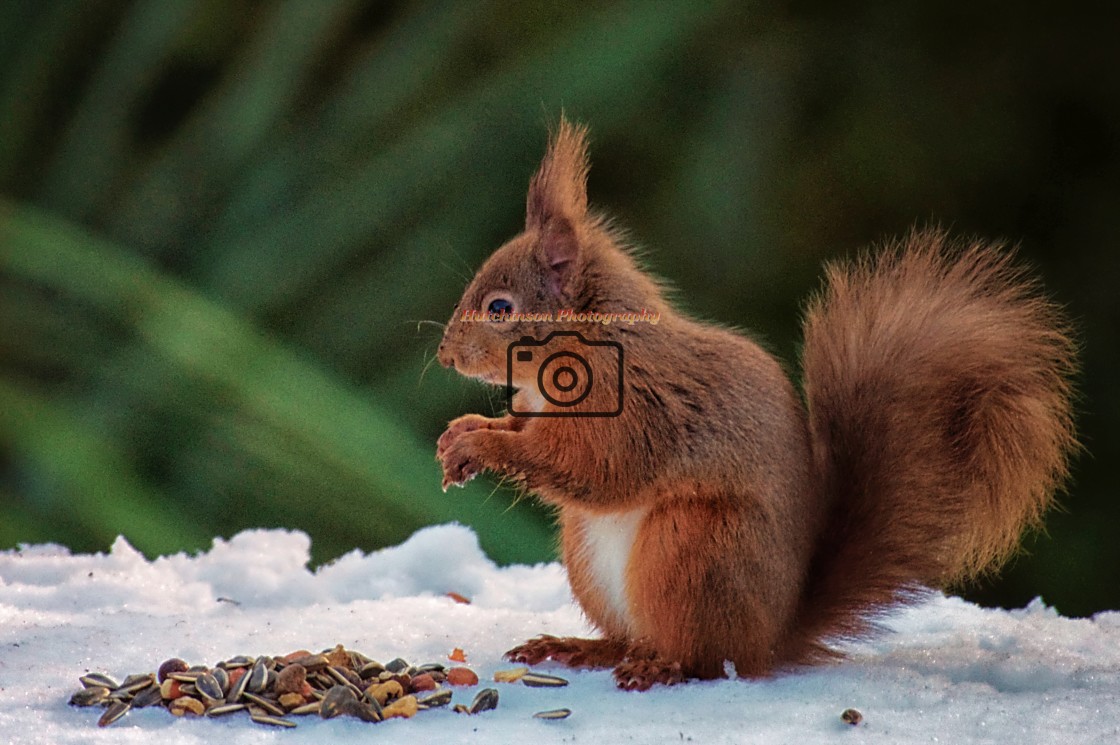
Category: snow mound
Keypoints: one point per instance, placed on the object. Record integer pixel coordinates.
(951, 672)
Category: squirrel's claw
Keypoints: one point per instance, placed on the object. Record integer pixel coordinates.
(533, 651)
(458, 460)
(643, 674)
(458, 472)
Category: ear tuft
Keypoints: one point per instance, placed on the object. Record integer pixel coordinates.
(558, 190)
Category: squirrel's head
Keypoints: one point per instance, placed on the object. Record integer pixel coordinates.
(567, 258)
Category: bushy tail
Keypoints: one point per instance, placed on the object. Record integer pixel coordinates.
(938, 385)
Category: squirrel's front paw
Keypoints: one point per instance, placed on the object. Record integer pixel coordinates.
(569, 651)
(533, 651)
(459, 427)
(458, 461)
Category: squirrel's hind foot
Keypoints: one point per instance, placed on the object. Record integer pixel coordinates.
(641, 674)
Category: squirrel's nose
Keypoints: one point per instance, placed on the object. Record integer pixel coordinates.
(446, 357)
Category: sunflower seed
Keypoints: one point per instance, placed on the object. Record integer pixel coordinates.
(553, 714)
(486, 700)
(149, 696)
(116, 710)
(264, 703)
(222, 678)
(129, 689)
(371, 669)
(136, 679)
(442, 697)
(98, 680)
(238, 689)
(257, 676)
(209, 688)
(851, 716)
(274, 721)
(311, 708)
(540, 680)
(223, 709)
(343, 676)
(90, 696)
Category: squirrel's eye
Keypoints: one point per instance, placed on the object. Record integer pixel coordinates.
(500, 305)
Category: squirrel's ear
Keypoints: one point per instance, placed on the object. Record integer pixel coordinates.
(557, 204)
(559, 187)
(560, 255)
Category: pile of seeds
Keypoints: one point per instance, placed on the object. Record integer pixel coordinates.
(272, 690)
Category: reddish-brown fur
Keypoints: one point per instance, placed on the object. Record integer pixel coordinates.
(938, 428)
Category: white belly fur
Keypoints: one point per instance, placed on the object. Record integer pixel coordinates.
(608, 541)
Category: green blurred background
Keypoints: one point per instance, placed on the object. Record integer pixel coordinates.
(221, 224)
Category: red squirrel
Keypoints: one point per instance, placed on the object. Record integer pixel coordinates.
(717, 517)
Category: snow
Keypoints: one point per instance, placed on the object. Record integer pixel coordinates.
(952, 672)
